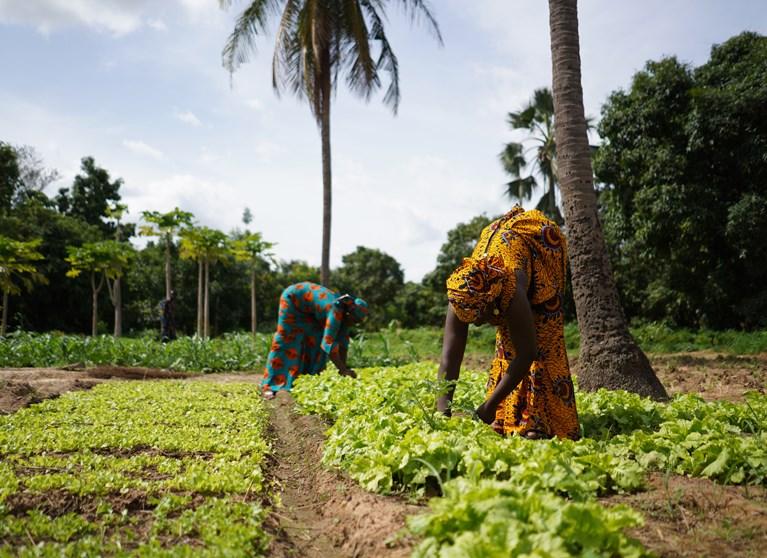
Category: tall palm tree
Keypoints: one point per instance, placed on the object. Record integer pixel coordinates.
(536, 118)
(609, 356)
(316, 41)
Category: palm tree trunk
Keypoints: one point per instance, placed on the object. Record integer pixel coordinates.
(253, 302)
(199, 296)
(206, 316)
(326, 178)
(4, 324)
(609, 356)
(167, 269)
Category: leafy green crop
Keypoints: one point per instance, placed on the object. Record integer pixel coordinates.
(386, 435)
(147, 468)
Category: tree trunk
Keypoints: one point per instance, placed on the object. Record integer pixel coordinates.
(167, 269)
(253, 302)
(4, 324)
(326, 179)
(609, 356)
(206, 315)
(199, 297)
(96, 289)
(117, 301)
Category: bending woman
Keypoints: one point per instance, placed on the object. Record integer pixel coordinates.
(515, 280)
(312, 326)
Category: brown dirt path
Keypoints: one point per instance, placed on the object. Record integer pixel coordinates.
(323, 513)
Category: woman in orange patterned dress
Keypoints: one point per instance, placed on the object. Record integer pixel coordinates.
(515, 280)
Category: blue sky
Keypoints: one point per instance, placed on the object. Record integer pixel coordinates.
(138, 85)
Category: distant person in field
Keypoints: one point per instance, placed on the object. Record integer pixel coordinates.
(168, 318)
(515, 280)
(312, 326)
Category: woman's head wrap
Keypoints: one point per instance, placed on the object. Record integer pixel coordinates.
(355, 308)
(473, 285)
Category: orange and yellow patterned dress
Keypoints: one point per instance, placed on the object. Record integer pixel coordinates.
(544, 401)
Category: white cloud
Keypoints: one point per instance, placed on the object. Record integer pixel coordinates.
(188, 117)
(254, 104)
(157, 24)
(118, 17)
(141, 148)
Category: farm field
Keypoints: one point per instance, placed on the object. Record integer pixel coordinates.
(134, 460)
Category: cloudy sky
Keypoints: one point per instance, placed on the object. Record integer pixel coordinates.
(138, 85)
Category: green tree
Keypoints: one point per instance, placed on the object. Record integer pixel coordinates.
(253, 250)
(166, 226)
(10, 176)
(683, 165)
(18, 268)
(609, 356)
(106, 262)
(90, 195)
(206, 246)
(317, 41)
(376, 277)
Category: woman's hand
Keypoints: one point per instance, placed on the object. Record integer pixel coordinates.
(485, 413)
(348, 372)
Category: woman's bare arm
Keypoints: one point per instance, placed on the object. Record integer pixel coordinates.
(453, 347)
(522, 332)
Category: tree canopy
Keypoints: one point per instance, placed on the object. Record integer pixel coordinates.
(683, 163)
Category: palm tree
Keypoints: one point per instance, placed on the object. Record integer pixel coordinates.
(18, 264)
(206, 246)
(537, 118)
(166, 226)
(609, 356)
(252, 249)
(315, 42)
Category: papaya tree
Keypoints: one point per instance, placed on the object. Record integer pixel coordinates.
(251, 249)
(106, 262)
(206, 246)
(18, 269)
(165, 226)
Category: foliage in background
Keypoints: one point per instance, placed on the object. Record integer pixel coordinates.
(18, 269)
(684, 208)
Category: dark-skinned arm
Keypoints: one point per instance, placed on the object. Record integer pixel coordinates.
(453, 347)
(519, 317)
(339, 359)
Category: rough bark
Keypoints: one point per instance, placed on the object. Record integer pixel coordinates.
(206, 311)
(253, 302)
(609, 356)
(326, 177)
(4, 324)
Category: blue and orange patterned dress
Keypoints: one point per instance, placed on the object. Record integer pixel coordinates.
(311, 325)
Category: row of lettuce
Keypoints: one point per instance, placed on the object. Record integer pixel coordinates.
(510, 496)
(139, 469)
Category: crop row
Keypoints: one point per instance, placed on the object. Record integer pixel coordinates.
(145, 469)
(501, 493)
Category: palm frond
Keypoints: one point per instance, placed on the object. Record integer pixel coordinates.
(521, 189)
(362, 77)
(251, 23)
(420, 8)
(523, 120)
(513, 159)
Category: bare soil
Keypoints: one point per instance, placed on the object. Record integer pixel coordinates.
(690, 517)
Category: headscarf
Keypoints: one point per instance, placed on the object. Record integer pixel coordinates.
(473, 285)
(356, 309)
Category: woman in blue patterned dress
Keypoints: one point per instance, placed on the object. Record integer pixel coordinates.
(312, 326)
